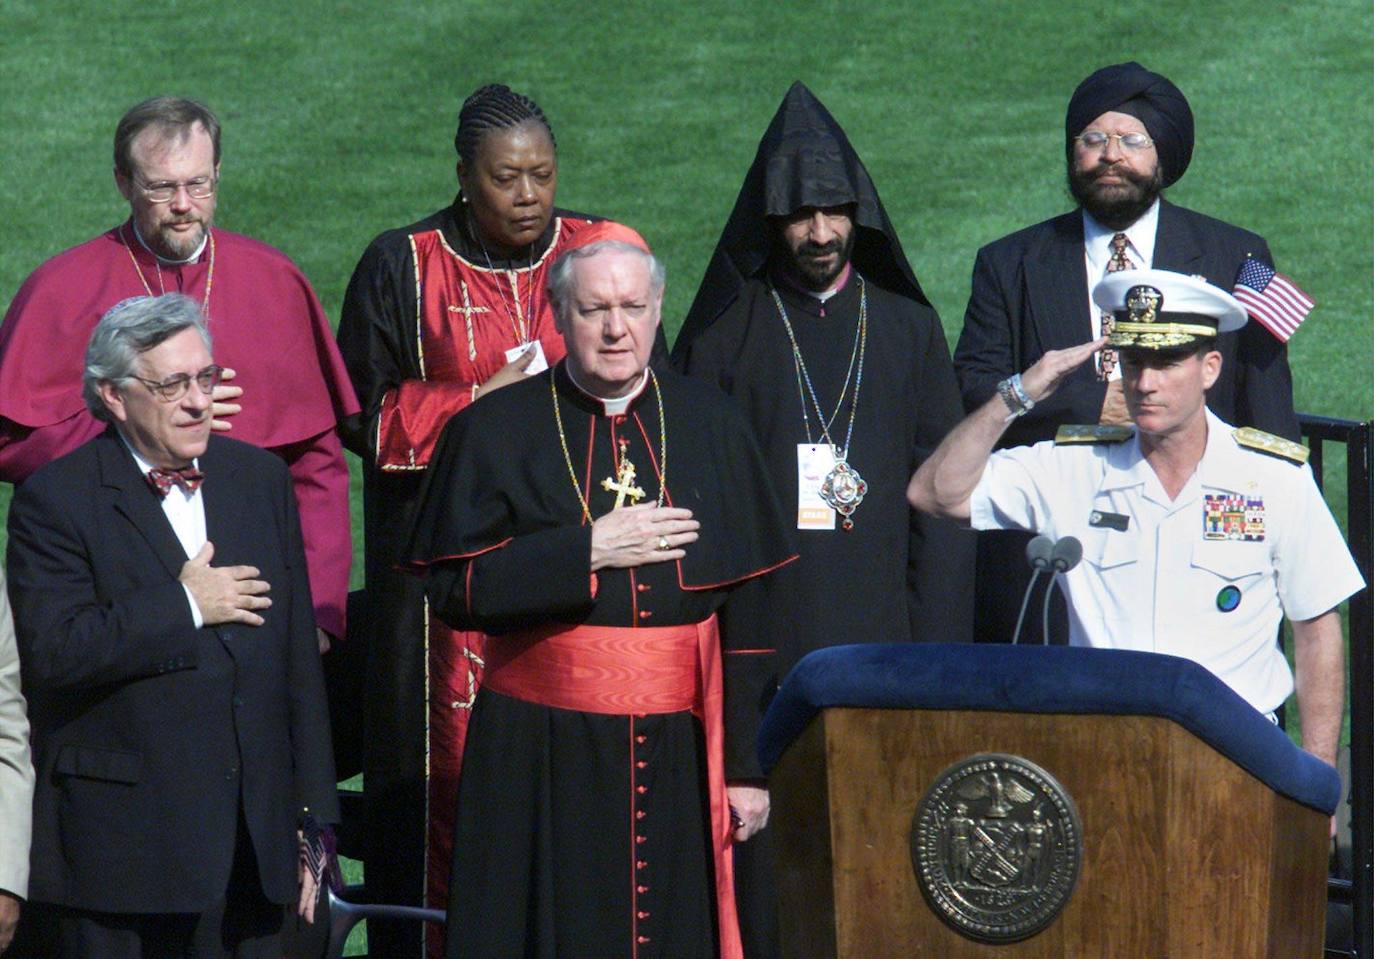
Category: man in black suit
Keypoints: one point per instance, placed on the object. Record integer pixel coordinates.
(180, 729)
(1128, 136)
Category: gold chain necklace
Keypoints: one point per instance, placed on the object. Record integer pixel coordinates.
(567, 457)
(162, 289)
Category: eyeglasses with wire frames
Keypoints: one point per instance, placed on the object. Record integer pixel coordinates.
(200, 188)
(174, 387)
(1130, 142)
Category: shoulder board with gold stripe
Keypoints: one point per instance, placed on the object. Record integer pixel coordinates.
(1092, 433)
(1262, 442)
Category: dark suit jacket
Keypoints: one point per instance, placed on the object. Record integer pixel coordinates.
(150, 734)
(1030, 295)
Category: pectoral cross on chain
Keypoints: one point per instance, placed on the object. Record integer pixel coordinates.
(623, 484)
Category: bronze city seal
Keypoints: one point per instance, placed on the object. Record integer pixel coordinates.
(996, 844)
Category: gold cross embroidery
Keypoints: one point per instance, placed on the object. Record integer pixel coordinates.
(623, 484)
(467, 309)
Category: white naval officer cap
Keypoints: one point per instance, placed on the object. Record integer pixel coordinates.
(1163, 310)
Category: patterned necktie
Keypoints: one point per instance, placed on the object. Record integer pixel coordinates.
(162, 480)
(1106, 359)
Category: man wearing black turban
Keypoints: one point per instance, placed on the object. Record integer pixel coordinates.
(811, 317)
(1128, 136)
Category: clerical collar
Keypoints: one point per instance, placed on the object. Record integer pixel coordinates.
(610, 407)
(204, 238)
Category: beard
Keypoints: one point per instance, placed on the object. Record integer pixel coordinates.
(172, 245)
(804, 262)
(1115, 206)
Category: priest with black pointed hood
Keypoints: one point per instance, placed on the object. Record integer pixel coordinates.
(811, 318)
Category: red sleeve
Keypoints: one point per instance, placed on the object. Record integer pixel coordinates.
(411, 418)
(319, 477)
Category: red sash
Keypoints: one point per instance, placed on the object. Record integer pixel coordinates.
(622, 670)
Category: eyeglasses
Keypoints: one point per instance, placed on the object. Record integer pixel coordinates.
(174, 388)
(201, 188)
(1097, 140)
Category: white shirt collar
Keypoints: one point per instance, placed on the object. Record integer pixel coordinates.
(1097, 242)
(205, 238)
(615, 406)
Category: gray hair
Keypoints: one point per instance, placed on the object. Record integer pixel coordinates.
(560, 282)
(173, 117)
(129, 329)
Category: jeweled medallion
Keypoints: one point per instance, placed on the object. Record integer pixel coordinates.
(843, 490)
(997, 846)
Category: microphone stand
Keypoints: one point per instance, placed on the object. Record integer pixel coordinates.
(1064, 557)
(1038, 552)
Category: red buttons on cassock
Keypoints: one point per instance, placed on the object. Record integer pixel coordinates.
(640, 864)
(641, 739)
(644, 587)
(639, 814)
(641, 789)
(645, 614)
(640, 764)
(642, 914)
(641, 939)
(641, 889)
(640, 839)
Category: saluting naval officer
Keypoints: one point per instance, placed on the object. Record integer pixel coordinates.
(1198, 538)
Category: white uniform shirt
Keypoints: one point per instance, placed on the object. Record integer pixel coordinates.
(1245, 521)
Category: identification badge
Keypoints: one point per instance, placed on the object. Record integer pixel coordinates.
(814, 463)
(537, 365)
(1233, 517)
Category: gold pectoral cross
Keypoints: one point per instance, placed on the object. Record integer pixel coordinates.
(623, 484)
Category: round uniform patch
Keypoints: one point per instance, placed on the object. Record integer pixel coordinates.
(1228, 599)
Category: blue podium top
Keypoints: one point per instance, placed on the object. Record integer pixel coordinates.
(1047, 679)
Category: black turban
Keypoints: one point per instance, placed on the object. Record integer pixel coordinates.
(804, 159)
(1150, 98)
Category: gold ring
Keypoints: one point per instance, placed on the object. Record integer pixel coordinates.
(663, 543)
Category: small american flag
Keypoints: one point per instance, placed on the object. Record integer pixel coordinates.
(1271, 298)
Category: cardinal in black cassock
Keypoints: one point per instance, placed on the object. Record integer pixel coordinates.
(811, 317)
(592, 813)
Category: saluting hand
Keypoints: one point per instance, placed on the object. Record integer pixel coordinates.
(224, 594)
(219, 401)
(638, 535)
(1044, 377)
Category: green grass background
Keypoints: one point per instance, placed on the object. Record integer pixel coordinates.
(339, 118)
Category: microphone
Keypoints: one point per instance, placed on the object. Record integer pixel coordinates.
(1038, 553)
(1066, 554)
(1063, 557)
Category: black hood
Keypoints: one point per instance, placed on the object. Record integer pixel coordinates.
(804, 159)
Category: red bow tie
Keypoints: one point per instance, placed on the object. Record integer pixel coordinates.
(162, 480)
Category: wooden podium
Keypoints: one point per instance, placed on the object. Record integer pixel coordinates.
(1188, 847)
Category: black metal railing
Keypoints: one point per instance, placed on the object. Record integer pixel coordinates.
(1358, 890)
